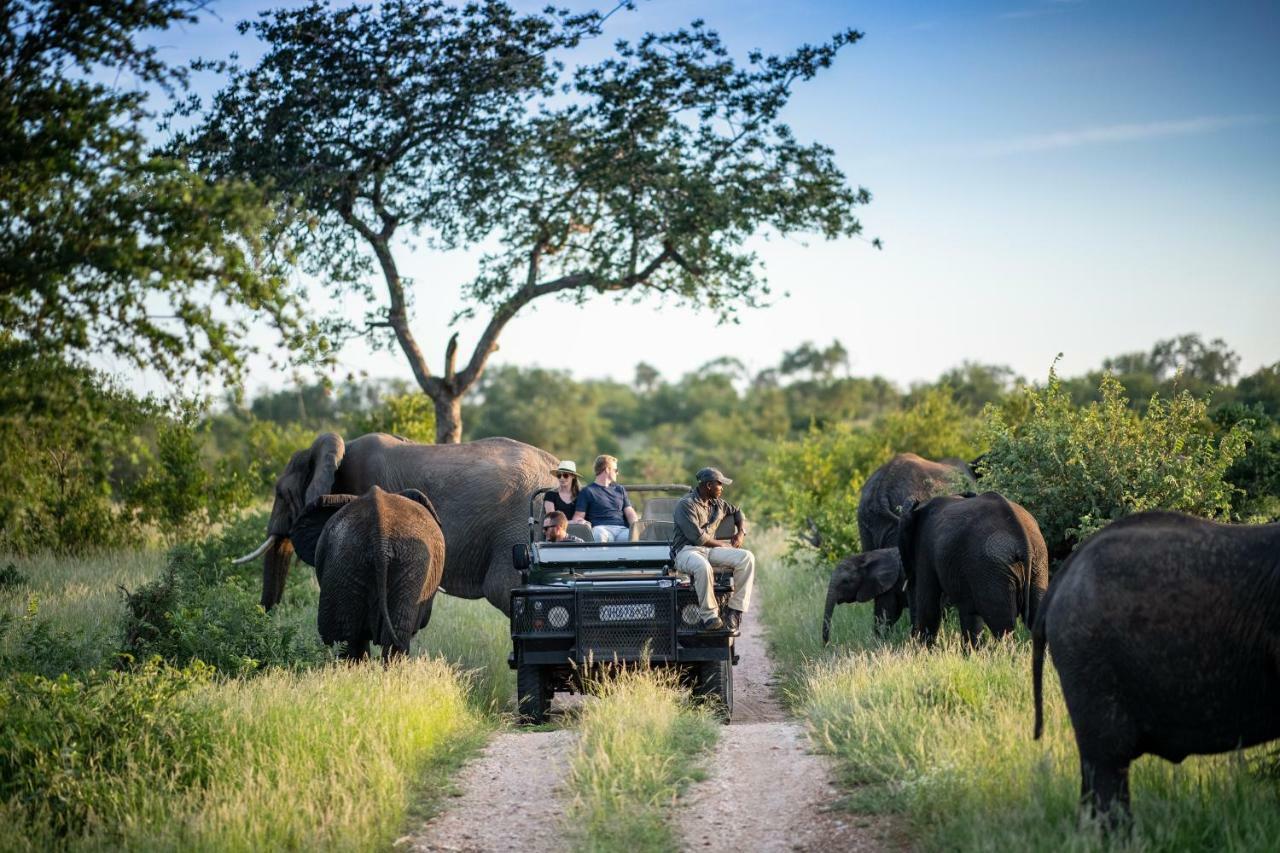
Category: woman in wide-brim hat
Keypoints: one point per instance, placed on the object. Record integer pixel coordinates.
(566, 494)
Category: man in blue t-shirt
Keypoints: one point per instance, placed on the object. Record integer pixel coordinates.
(604, 504)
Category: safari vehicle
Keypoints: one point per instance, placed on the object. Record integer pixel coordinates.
(583, 608)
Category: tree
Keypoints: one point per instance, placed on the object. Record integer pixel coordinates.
(642, 174)
(105, 247)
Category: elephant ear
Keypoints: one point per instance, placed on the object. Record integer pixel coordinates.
(326, 455)
(420, 497)
(306, 531)
(881, 571)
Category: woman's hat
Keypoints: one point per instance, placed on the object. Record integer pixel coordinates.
(568, 466)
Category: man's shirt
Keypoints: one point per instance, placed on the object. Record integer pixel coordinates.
(603, 505)
(697, 519)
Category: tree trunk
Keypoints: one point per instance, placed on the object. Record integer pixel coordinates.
(448, 417)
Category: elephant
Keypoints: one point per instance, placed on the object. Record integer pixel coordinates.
(985, 553)
(379, 558)
(1165, 631)
(904, 478)
(861, 577)
(481, 490)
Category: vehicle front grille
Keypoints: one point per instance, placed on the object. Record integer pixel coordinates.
(625, 625)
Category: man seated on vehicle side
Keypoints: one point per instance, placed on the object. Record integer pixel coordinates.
(604, 504)
(695, 550)
(555, 527)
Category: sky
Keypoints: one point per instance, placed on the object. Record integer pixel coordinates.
(1047, 177)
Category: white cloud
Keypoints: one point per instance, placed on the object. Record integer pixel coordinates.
(1119, 133)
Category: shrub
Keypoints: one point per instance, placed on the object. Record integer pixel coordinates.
(74, 751)
(812, 486)
(410, 415)
(204, 607)
(1078, 468)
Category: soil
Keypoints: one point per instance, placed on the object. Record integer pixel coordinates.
(765, 790)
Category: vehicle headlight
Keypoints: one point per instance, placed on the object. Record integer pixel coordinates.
(558, 616)
(689, 614)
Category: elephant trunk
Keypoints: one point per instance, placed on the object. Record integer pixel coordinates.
(828, 610)
(275, 571)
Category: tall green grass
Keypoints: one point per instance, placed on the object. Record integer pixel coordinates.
(641, 742)
(77, 597)
(337, 758)
(476, 637)
(943, 738)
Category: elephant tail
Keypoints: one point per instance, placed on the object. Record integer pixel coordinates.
(383, 557)
(1038, 644)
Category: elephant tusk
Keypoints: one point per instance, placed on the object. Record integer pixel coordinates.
(258, 551)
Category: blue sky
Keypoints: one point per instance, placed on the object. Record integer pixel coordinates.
(1076, 177)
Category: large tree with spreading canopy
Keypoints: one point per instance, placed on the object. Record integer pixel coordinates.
(644, 173)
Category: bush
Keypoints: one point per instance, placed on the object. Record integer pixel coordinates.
(204, 607)
(812, 486)
(1078, 469)
(79, 751)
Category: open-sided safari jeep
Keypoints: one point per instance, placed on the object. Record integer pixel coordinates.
(583, 608)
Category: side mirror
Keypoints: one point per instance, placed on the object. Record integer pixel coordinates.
(520, 557)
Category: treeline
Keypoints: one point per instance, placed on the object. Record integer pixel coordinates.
(89, 464)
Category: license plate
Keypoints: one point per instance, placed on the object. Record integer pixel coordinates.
(626, 612)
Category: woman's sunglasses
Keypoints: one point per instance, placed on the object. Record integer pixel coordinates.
(562, 475)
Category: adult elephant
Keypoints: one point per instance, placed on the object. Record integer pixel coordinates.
(903, 479)
(985, 553)
(1165, 632)
(480, 490)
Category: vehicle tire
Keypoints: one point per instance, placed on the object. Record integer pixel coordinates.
(533, 693)
(715, 683)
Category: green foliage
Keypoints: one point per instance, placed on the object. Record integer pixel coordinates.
(67, 438)
(812, 485)
(667, 159)
(1077, 469)
(38, 645)
(1256, 474)
(202, 607)
(178, 493)
(109, 248)
(75, 753)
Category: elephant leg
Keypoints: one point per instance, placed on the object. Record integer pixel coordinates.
(888, 609)
(1104, 790)
(926, 616)
(971, 628)
(356, 650)
(424, 611)
(500, 579)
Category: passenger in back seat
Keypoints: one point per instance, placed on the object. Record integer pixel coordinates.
(555, 528)
(604, 504)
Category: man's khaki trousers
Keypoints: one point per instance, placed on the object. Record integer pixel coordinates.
(697, 562)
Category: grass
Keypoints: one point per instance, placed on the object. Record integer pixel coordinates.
(336, 758)
(79, 595)
(943, 739)
(640, 744)
(476, 637)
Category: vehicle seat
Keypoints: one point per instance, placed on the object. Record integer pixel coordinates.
(652, 530)
(582, 531)
(660, 509)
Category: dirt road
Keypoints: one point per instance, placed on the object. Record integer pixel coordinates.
(765, 790)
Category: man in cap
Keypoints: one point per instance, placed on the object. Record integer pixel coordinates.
(695, 549)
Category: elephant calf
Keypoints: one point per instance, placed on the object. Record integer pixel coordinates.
(861, 577)
(1165, 631)
(985, 553)
(378, 558)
